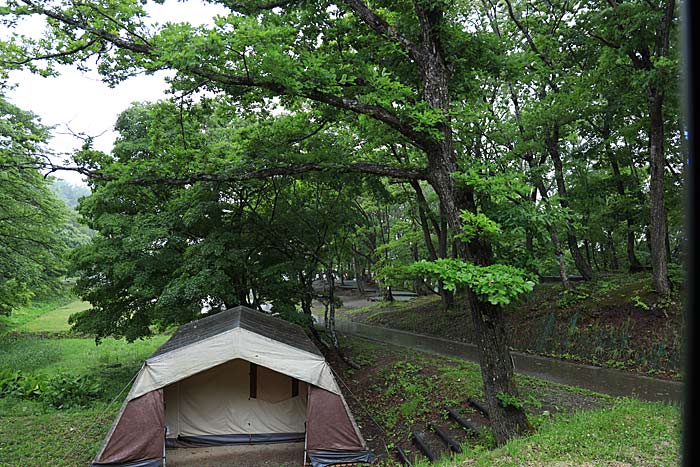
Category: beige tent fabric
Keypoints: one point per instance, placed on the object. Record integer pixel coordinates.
(237, 343)
(273, 386)
(217, 402)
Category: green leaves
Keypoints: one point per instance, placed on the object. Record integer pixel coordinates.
(477, 226)
(497, 283)
(32, 219)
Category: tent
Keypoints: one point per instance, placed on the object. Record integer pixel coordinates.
(236, 377)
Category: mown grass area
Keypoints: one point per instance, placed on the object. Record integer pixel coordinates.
(55, 320)
(628, 433)
(58, 438)
(38, 308)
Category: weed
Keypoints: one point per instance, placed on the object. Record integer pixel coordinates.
(639, 303)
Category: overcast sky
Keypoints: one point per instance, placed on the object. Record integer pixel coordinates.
(81, 103)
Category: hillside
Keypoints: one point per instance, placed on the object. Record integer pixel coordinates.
(616, 321)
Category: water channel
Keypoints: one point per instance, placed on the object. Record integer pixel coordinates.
(605, 380)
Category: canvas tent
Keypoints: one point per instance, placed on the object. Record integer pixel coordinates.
(239, 376)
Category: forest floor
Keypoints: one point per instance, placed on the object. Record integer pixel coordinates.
(395, 391)
(616, 321)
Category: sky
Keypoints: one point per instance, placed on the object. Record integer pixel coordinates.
(77, 102)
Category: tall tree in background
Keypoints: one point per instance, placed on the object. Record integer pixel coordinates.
(31, 217)
(643, 33)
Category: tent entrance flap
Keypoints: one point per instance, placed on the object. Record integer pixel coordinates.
(218, 402)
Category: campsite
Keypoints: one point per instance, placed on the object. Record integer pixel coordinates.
(342, 233)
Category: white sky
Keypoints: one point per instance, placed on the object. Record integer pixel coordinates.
(81, 103)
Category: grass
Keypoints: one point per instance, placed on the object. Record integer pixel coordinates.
(33, 433)
(37, 309)
(55, 320)
(54, 439)
(628, 433)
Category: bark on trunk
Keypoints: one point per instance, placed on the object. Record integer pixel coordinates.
(552, 141)
(560, 256)
(614, 263)
(659, 261)
(496, 370)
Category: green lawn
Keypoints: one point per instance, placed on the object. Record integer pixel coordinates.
(55, 320)
(37, 309)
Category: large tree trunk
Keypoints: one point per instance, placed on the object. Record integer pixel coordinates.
(495, 360)
(659, 261)
(552, 142)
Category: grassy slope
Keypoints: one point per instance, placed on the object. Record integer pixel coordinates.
(616, 321)
(629, 433)
(36, 309)
(34, 434)
(406, 389)
(55, 320)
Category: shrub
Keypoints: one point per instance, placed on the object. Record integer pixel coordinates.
(66, 391)
(60, 391)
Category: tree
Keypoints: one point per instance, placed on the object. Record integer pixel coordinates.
(402, 67)
(32, 248)
(643, 33)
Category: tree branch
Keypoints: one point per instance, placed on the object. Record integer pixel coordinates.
(403, 173)
(101, 33)
(377, 112)
(379, 25)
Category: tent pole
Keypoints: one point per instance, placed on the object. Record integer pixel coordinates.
(305, 439)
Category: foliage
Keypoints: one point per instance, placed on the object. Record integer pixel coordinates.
(31, 217)
(638, 302)
(497, 283)
(60, 390)
(477, 226)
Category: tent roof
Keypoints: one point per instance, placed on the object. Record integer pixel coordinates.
(238, 317)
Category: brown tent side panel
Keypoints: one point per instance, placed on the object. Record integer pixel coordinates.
(328, 425)
(139, 434)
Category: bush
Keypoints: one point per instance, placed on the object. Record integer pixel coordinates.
(61, 391)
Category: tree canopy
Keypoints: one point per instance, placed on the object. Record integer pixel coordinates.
(31, 217)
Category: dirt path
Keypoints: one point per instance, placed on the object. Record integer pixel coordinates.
(259, 455)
